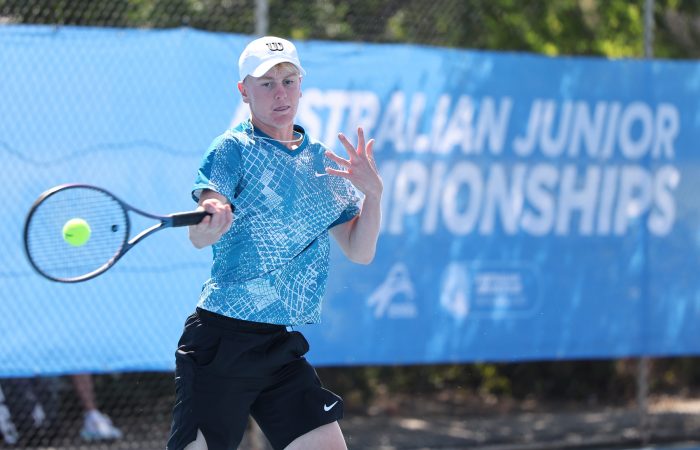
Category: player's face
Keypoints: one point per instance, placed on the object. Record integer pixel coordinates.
(273, 98)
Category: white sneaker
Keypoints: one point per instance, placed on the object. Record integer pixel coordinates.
(98, 427)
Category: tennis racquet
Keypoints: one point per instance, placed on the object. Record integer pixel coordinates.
(105, 231)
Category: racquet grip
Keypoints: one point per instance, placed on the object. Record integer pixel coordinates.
(185, 219)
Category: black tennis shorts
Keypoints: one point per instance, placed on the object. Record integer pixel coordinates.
(227, 369)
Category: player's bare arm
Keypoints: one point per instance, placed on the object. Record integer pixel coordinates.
(211, 228)
(358, 237)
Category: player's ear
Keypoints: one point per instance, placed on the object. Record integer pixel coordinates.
(243, 91)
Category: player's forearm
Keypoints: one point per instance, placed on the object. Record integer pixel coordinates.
(201, 239)
(363, 235)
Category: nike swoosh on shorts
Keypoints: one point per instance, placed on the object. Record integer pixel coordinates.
(329, 407)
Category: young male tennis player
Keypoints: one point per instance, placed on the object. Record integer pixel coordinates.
(236, 355)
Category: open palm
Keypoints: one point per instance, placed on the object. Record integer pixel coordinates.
(360, 168)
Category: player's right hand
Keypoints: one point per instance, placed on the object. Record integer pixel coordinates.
(211, 228)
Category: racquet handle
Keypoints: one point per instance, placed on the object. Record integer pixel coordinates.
(185, 219)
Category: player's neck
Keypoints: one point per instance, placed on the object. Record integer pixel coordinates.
(282, 134)
(285, 136)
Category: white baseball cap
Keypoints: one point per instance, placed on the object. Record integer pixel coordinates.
(264, 53)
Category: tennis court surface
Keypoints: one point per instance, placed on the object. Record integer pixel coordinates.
(420, 422)
(552, 428)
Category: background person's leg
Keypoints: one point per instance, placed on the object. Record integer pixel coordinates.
(96, 425)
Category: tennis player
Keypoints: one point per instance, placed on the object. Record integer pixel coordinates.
(238, 354)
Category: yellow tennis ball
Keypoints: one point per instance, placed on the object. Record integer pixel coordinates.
(76, 232)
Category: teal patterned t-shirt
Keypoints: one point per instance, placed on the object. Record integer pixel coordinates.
(272, 265)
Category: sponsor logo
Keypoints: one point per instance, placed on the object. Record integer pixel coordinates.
(327, 408)
(395, 297)
(275, 46)
(494, 289)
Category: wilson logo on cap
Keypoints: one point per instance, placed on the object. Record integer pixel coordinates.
(275, 46)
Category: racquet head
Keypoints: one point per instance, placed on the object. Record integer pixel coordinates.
(47, 247)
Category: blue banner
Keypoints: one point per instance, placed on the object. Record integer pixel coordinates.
(534, 207)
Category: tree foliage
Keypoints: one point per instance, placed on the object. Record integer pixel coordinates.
(606, 28)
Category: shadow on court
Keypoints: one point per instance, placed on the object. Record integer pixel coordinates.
(594, 428)
(591, 429)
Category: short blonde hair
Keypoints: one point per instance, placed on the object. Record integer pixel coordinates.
(286, 67)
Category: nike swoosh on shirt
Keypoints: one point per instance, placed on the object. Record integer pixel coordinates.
(329, 407)
(320, 174)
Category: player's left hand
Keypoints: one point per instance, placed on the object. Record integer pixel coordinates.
(360, 168)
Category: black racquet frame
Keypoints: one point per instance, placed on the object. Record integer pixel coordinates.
(181, 219)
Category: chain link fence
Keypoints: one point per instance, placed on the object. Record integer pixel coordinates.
(49, 412)
(577, 27)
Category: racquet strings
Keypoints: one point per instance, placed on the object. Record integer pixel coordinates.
(53, 256)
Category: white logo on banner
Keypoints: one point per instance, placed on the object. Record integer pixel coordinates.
(454, 293)
(495, 289)
(395, 297)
